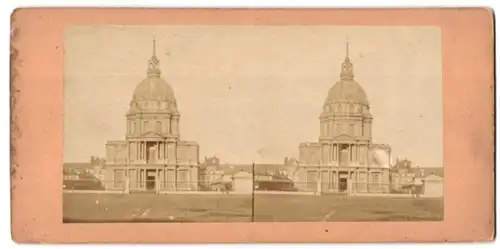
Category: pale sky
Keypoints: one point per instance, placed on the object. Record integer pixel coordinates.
(254, 92)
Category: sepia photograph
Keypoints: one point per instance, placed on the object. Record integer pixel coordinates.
(252, 123)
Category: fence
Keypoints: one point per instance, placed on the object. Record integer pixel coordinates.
(261, 186)
(147, 185)
(83, 184)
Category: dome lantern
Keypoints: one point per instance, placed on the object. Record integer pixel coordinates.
(153, 94)
(346, 72)
(346, 90)
(154, 64)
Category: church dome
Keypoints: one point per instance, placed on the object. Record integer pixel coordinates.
(347, 90)
(154, 88)
(153, 94)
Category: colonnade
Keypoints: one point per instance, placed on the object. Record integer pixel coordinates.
(164, 178)
(332, 152)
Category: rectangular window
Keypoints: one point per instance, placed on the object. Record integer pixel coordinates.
(158, 126)
(119, 178)
(311, 179)
(351, 129)
(170, 179)
(183, 179)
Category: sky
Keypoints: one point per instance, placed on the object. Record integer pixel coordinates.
(254, 93)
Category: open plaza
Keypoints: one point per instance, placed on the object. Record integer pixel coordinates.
(241, 208)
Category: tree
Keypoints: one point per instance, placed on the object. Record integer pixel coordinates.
(400, 165)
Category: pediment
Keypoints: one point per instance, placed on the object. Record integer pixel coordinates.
(344, 136)
(151, 134)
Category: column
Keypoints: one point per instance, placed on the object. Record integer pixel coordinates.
(175, 178)
(137, 178)
(357, 153)
(140, 149)
(350, 153)
(157, 151)
(330, 182)
(367, 156)
(167, 155)
(157, 181)
(136, 150)
(160, 151)
(336, 152)
(177, 128)
(353, 152)
(332, 152)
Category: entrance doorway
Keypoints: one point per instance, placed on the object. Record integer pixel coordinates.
(343, 184)
(151, 179)
(343, 175)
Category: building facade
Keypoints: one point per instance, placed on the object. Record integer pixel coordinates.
(345, 157)
(152, 157)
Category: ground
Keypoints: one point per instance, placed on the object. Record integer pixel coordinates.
(223, 208)
(155, 208)
(343, 208)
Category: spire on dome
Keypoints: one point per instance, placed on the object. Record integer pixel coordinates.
(347, 67)
(154, 63)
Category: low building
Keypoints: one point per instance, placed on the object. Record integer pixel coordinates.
(433, 186)
(243, 182)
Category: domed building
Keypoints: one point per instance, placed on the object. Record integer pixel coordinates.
(345, 158)
(152, 157)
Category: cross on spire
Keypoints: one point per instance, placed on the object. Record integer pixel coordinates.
(154, 47)
(347, 50)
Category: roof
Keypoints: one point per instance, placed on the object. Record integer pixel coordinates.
(77, 165)
(346, 91)
(433, 177)
(438, 171)
(243, 173)
(230, 169)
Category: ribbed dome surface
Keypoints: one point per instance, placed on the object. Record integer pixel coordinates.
(347, 91)
(154, 88)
